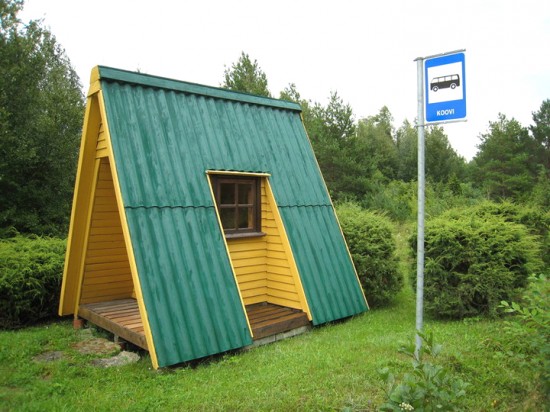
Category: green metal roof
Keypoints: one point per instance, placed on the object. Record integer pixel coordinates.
(165, 135)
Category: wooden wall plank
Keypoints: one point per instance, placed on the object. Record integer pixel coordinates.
(107, 273)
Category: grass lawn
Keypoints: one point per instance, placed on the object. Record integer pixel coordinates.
(333, 367)
(329, 368)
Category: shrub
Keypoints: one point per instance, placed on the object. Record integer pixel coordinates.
(30, 278)
(535, 219)
(372, 247)
(473, 262)
(397, 199)
(526, 338)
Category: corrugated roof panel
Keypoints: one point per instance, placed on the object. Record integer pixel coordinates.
(176, 137)
(330, 283)
(164, 141)
(188, 287)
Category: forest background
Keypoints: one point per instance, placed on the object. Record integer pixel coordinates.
(369, 160)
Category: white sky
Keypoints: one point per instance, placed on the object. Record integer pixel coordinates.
(365, 50)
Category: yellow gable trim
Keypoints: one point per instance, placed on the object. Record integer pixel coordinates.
(234, 173)
(82, 197)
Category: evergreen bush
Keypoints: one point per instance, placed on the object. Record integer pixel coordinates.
(473, 261)
(30, 277)
(534, 218)
(372, 247)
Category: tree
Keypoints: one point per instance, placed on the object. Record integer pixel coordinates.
(377, 132)
(541, 133)
(41, 108)
(246, 76)
(339, 152)
(442, 161)
(504, 165)
(338, 118)
(406, 140)
(311, 122)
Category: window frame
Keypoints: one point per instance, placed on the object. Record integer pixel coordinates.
(256, 205)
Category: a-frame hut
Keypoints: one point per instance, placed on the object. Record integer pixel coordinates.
(200, 220)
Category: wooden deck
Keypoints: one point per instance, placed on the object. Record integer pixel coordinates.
(267, 319)
(122, 318)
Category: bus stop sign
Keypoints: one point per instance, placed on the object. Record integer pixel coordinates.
(445, 88)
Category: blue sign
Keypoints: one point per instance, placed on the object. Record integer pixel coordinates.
(445, 88)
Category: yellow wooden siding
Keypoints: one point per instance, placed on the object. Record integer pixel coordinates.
(101, 147)
(262, 266)
(107, 272)
(248, 256)
(281, 287)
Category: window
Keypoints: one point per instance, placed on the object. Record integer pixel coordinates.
(239, 206)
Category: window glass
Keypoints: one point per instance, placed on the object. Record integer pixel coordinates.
(245, 193)
(228, 218)
(245, 218)
(227, 193)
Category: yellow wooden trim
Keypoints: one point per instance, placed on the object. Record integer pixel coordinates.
(126, 232)
(288, 250)
(335, 214)
(81, 199)
(86, 238)
(234, 173)
(103, 152)
(73, 211)
(228, 253)
(94, 74)
(94, 88)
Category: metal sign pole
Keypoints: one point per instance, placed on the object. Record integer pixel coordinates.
(421, 190)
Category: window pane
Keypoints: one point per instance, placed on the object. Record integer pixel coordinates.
(245, 194)
(227, 193)
(246, 218)
(227, 217)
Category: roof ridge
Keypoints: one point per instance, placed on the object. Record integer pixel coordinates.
(114, 74)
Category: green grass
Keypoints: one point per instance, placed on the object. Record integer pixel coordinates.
(330, 368)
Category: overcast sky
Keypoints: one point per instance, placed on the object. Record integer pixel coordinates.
(364, 50)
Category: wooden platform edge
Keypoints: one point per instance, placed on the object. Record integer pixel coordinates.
(280, 336)
(126, 334)
(276, 327)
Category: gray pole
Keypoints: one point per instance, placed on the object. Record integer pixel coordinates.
(421, 183)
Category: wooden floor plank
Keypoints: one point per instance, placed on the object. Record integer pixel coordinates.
(267, 322)
(124, 317)
(257, 311)
(112, 312)
(112, 304)
(94, 312)
(268, 319)
(273, 312)
(268, 315)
